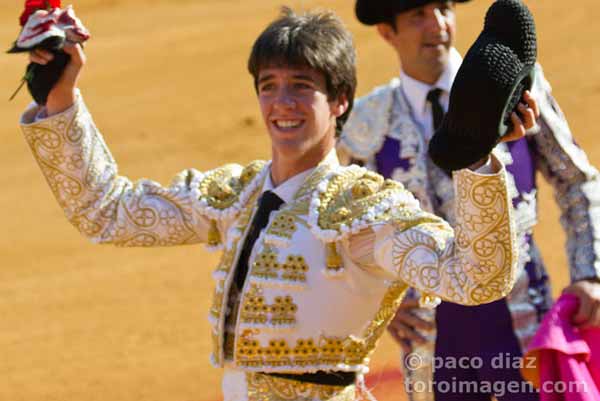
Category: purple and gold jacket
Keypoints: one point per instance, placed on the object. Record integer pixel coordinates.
(382, 134)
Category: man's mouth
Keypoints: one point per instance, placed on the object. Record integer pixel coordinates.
(287, 124)
(435, 45)
(437, 41)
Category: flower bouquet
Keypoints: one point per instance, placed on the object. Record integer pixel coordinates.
(45, 25)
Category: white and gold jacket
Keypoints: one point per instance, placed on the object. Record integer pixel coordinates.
(329, 270)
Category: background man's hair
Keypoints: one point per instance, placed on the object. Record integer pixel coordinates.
(318, 40)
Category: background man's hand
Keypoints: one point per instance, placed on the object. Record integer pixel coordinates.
(529, 112)
(62, 96)
(588, 292)
(405, 326)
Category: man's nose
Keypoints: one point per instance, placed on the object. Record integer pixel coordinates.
(285, 99)
(437, 20)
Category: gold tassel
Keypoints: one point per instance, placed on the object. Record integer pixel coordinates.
(214, 237)
(334, 260)
(429, 301)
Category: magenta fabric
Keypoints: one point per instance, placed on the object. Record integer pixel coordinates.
(567, 366)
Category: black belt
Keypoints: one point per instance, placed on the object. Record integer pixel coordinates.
(327, 378)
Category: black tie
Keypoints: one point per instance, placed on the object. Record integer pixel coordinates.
(438, 112)
(269, 202)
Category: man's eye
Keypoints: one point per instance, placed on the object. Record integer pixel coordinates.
(301, 85)
(265, 87)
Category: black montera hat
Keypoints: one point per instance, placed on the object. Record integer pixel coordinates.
(371, 12)
(490, 83)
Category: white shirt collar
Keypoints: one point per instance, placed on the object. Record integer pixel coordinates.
(416, 91)
(287, 189)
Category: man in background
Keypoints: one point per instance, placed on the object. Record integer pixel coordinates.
(389, 131)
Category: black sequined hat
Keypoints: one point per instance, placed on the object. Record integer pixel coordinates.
(371, 12)
(490, 83)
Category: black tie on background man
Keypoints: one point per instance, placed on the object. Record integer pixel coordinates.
(437, 110)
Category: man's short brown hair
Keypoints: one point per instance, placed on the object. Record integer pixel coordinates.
(318, 40)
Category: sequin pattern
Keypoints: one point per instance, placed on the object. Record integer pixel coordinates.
(577, 190)
(263, 387)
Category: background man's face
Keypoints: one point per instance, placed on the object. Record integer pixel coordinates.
(296, 109)
(423, 38)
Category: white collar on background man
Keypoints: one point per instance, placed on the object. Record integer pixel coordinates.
(416, 91)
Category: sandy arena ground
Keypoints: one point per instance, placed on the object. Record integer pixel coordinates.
(167, 85)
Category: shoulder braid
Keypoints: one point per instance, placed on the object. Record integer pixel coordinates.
(224, 191)
(349, 200)
(352, 198)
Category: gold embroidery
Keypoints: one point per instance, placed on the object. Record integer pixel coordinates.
(313, 180)
(102, 205)
(277, 353)
(263, 387)
(283, 225)
(223, 269)
(285, 222)
(266, 266)
(214, 236)
(283, 311)
(326, 352)
(476, 267)
(226, 261)
(332, 352)
(351, 194)
(217, 300)
(255, 310)
(334, 260)
(388, 307)
(221, 188)
(248, 350)
(306, 353)
(294, 268)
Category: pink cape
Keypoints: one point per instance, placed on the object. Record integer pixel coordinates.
(563, 362)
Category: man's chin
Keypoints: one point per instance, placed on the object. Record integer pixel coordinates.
(287, 147)
(438, 59)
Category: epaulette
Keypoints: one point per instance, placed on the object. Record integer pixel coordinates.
(364, 132)
(350, 199)
(224, 191)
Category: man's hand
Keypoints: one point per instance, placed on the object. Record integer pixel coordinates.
(588, 292)
(62, 96)
(405, 325)
(529, 112)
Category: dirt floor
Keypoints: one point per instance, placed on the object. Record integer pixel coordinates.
(167, 85)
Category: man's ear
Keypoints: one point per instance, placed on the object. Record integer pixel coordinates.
(386, 32)
(341, 106)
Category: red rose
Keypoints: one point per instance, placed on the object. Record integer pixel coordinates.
(32, 6)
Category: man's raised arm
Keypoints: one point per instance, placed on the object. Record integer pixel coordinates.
(105, 207)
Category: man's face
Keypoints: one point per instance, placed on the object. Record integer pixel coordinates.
(423, 38)
(296, 110)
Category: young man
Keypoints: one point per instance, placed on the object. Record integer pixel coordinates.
(389, 132)
(305, 241)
